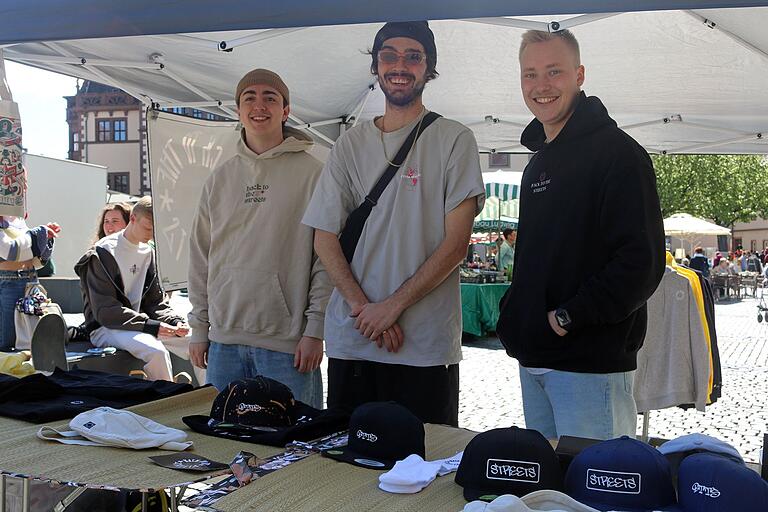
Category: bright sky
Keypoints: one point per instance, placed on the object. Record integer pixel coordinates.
(42, 108)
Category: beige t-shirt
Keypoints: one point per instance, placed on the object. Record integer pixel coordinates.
(404, 229)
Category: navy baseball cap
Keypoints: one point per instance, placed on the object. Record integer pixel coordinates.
(678, 449)
(380, 434)
(709, 482)
(621, 474)
(508, 461)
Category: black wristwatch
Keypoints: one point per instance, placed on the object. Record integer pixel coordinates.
(563, 318)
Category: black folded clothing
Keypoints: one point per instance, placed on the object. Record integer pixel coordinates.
(65, 394)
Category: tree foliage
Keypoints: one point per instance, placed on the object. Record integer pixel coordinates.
(723, 188)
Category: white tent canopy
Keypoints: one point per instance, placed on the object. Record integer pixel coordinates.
(686, 81)
(683, 225)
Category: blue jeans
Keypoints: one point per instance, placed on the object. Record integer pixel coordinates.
(594, 405)
(232, 362)
(12, 286)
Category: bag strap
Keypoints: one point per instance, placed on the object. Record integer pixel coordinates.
(353, 228)
(378, 189)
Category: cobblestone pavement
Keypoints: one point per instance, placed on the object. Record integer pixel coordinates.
(490, 386)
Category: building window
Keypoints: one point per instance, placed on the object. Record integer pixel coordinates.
(197, 113)
(74, 142)
(753, 245)
(177, 110)
(119, 130)
(497, 160)
(118, 182)
(765, 244)
(737, 243)
(210, 116)
(103, 130)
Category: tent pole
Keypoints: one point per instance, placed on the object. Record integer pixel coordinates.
(731, 35)
(262, 35)
(312, 130)
(695, 147)
(103, 76)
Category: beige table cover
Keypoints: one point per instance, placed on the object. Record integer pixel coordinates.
(23, 454)
(320, 484)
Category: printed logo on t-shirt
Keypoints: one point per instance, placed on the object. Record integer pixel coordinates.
(411, 178)
(541, 185)
(709, 492)
(512, 470)
(613, 481)
(255, 193)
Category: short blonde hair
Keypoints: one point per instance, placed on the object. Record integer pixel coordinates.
(143, 207)
(539, 36)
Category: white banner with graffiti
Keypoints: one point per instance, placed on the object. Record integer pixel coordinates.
(13, 186)
(182, 153)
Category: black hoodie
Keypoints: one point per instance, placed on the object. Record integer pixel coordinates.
(590, 240)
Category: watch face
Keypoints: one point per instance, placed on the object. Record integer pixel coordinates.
(562, 317)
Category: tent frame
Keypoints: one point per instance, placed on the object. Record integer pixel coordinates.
(220, 106)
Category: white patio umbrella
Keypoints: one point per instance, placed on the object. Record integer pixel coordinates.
(689, 228)
(685, 225)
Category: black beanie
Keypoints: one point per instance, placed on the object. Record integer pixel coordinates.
(418, 30)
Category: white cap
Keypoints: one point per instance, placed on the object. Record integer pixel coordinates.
(552, 501)
(105, 426)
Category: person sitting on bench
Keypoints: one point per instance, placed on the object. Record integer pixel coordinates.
(124, 305)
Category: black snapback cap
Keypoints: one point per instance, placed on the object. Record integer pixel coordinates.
(508, 461)
(380, 434)
(259, 402)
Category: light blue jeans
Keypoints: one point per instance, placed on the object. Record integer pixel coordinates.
(12, 286)
(232, 362)
(593, 405)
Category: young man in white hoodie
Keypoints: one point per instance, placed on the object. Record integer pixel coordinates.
(257, 289)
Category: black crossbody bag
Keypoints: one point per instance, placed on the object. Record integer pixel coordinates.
(353, 228)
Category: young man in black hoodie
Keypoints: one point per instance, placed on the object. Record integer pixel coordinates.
(576, 326)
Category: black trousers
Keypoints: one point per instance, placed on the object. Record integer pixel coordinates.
(431, 393)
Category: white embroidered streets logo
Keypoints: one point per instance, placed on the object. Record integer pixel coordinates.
(709, 492)
(541, 185)
(613, 481)
(411, 178)
(513, 470)
(365, 436)
(255, 193)
(243, 408)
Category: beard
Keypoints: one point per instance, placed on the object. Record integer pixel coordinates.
(402, 98)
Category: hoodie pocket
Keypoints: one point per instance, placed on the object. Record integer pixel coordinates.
(249, 300)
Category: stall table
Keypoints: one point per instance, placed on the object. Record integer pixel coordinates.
(315, 483)
(480, 307)
(24, 455)
(320, 484)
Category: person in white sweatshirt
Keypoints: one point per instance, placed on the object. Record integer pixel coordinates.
(258, 290)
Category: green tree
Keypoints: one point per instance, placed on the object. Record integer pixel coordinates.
(723, 188)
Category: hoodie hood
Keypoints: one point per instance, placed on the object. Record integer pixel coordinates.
(589, 115)
(294, 141)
